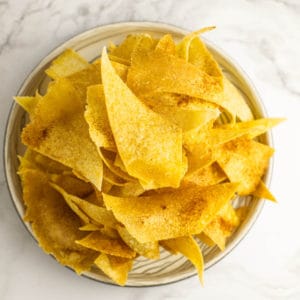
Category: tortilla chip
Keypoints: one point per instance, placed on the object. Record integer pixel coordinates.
(156, 155)
(188, 247)
(54, 225)
(129, 189)
(166, 45)
(99, 242)
(172, 214)
(116, 268)
(82, 79)
(209, 175)
(111, 178)
(262, 191)
(65, 64)
(96, 214)
(161, 72)
(149, 250)
(96, 116)
(72, 184)
(222, 226)
(244, 161)
(28, 103)
(256, 127)
(56, 116)
(89, 227)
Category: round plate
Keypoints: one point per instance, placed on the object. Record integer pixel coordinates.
(89, 44)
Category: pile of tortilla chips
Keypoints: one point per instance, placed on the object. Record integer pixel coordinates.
(129, 153)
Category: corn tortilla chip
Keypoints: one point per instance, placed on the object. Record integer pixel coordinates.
(244, 161)
(102, 243)
(54, 225)
(172, 214)
(188, 247)
(65, 64)
(152, 149)
(262, 191)
(58, 114)
(116, 268)
(149, 250)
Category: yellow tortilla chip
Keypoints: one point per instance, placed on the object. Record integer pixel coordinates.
(95, 213)
(161, 72)
(262, 191)
(256, 127)
(116, 268)
(152, 149)
(149, 250)
(99, 242)
(54, 224)
(188, 247)
(89, 227)
(244, 161)
(209, 175)
(111, 178)
(65, 64)
(72, 185)
(221, 227)
(82, 79)
(166, 45)
(129, 189)
(28, 103)
(96, 116)
(198, 53)
(172, 214)
(56, 116)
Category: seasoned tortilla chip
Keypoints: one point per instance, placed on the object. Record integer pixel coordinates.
(95, 213)
(116, 268)
(161, 72)
(188, 247)
(149, 146)
(54, 224)
(171, 214)
(99, 242)
(262, 191)
(222, 226)
(129, 189)
(149, 250)
(209, 175)
(28, 103)
(56, 116)
(256, 127)
(166, 45)
(244, 161)
(65, 64)
(96, 116)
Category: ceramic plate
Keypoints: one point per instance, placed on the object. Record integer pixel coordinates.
(89, 44)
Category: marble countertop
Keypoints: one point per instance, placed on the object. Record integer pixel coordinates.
(263, 37)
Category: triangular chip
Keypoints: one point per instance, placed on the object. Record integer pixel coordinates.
(256, 127)
(28, 103)
(262, 191)
(188, 247)
(102, 243)
(171, 214)
(58, 114)
(149, 146)
(116, 268)
(65, 64)
(95, 213)
(96, 116)
(54, 224)
(209, 175)
(161, 72)
(222, 226)
(244, 161)
(166, 44)
(149, 250)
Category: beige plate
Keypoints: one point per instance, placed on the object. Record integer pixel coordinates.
(89, 44)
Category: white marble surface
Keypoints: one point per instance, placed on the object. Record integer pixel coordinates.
(263, 37)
